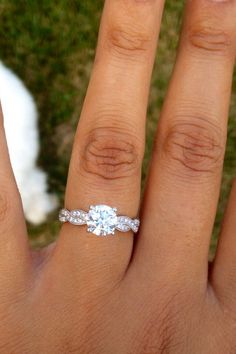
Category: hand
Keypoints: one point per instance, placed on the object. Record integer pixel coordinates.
(150, 293)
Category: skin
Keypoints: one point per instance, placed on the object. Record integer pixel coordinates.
(153, 292)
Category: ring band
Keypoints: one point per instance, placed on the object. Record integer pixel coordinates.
(102, 220)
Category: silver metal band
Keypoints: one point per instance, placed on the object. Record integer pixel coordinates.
(102, 220)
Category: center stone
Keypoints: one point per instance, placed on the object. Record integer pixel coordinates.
(102, 220)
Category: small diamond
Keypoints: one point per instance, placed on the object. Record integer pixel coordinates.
(102, 220)
(73, 220)
(123, 227)
(75, 213)
(64, 215)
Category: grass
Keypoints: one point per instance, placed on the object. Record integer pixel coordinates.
(50, 45)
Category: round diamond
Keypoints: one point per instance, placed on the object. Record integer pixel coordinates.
(102, 220)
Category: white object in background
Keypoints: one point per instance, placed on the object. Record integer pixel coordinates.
(20, 121)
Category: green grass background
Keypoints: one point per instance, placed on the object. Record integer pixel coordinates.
(50, 45)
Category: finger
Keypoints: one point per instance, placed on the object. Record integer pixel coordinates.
(107, 156)
(224, 268)
(14, 250)
(184, 182)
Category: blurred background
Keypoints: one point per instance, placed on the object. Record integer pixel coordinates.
(50, 45)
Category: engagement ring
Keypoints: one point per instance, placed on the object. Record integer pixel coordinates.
(101, 220)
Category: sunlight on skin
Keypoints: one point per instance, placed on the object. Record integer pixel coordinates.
(153, 292)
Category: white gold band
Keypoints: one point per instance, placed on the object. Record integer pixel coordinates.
(102, 220)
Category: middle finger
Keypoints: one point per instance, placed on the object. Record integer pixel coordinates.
(184, 182)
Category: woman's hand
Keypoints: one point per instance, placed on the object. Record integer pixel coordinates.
(152, 293)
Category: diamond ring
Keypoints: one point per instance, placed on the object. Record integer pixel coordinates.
(101, 220)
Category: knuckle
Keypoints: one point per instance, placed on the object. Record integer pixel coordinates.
(197, 147)
(170, 327)
(127, 41)
(210, 39)
(162, 328)
(110, 154)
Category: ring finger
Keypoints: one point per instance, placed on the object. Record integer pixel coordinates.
(107, 155)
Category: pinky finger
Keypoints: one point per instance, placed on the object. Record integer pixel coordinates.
(14, 249)
(223, 277)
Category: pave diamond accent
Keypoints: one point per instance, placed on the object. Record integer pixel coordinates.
(125, 224)
(75, 217)
(102, 220)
